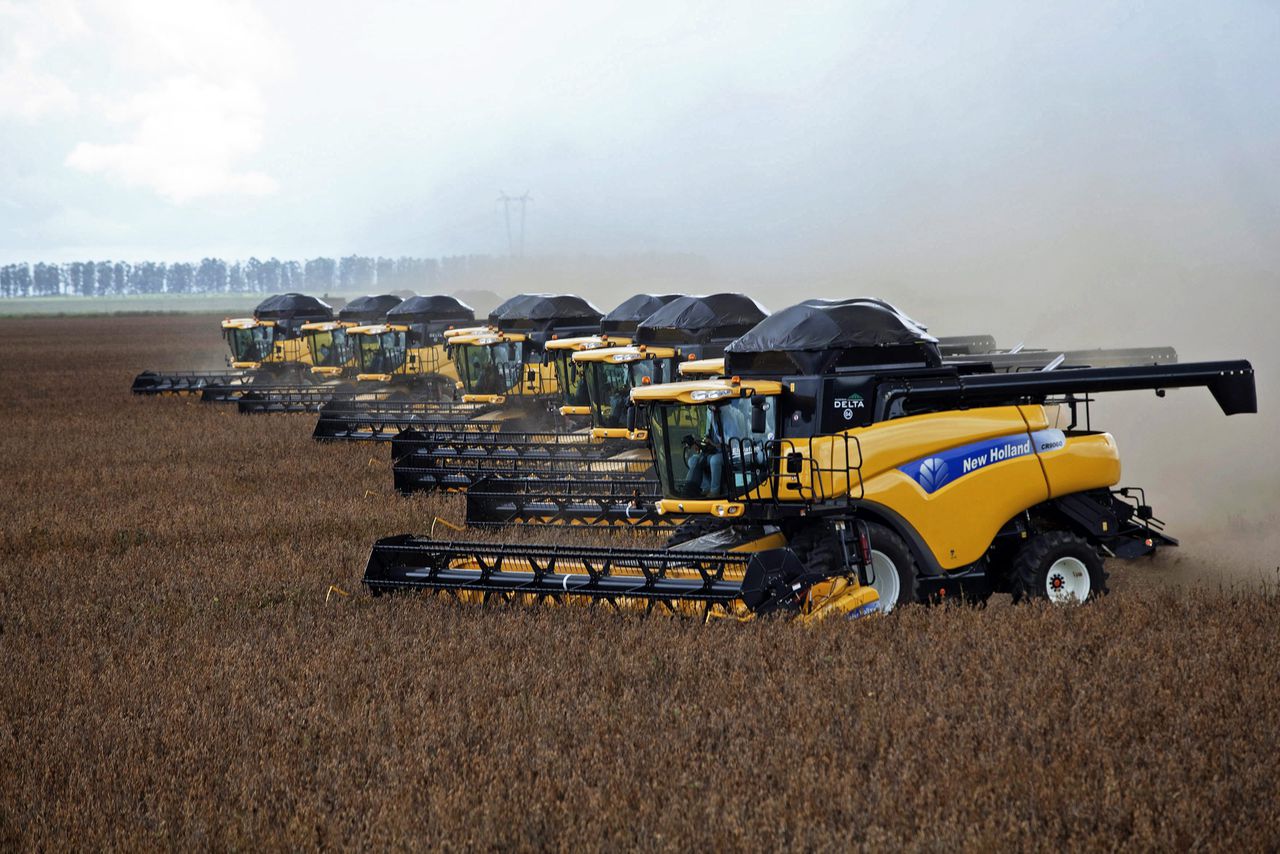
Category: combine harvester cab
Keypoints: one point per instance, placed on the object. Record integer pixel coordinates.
(611, 482)
(265, 348)
(844, 466)
(333, 357)
(502, 370)
(444, 456)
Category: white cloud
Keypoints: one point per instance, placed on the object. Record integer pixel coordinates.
(175, 88)
(28, 91)
(187, 136)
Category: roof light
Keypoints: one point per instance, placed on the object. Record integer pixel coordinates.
(645, 380)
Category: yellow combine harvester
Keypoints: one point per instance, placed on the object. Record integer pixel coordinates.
(332, 350)
(379, 348)
(266, 349)
(844, 466)
(504, 373)
(409, 353)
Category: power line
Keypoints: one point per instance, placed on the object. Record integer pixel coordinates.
(507, 201)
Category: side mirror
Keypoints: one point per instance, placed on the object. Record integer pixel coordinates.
(758, 424)
(632, 417)
(795, 462)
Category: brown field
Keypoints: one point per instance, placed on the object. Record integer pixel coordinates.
(174, 676)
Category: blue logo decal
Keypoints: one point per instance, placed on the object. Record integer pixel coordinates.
(933, 474)
(938, 470)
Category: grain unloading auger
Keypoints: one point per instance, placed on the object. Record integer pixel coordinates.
(507, 375)
(266, 349)
(382, 348)
(844, 447)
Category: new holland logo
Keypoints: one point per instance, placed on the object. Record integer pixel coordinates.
(936, 471)
(933, 474)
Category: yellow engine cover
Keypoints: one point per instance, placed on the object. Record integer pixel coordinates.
(957, 477)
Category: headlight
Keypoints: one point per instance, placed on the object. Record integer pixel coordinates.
(711, 394)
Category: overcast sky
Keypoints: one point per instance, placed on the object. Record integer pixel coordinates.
(753, 134)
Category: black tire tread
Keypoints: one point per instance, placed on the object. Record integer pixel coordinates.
(1025, 582)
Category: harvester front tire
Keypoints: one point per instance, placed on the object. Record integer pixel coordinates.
(1058, 566)
(894, 567)
(892, 564)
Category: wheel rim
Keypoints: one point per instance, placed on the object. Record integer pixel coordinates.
(1067, 581)
(886, 583)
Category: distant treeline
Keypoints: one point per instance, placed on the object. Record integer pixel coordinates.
(315, 276)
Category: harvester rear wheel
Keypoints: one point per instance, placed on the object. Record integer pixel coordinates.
(1059, 566)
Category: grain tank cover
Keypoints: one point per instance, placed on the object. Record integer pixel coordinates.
(540, 316)
(434, 309)
(624, 319)
(697, 320)
(291, 306)
(817, 336)
(368, 309)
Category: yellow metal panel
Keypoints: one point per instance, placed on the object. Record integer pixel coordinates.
(619, 433)
(702, 506)
(684, 392)
(624, 354)
(702, 367)
(1087, 462)
(488, 339)
(586, 343)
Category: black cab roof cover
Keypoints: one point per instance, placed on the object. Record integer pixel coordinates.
(820, 335)
(542, 314)
(694, 320)
(436, 308)
(626, 317)
(293, 306)
(368, 309)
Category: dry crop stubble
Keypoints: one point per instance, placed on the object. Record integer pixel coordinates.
(173, 673)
